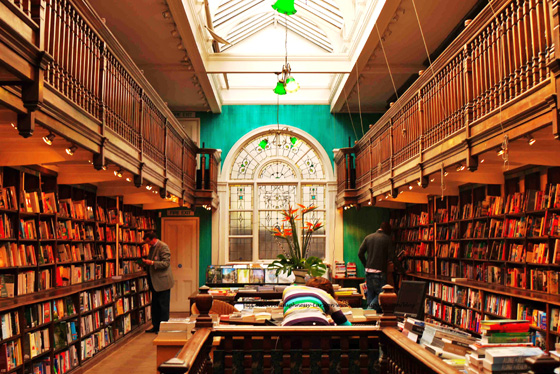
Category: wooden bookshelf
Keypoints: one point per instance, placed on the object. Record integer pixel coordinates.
(65, 244)
(503, 239)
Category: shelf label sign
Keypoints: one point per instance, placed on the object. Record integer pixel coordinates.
(180, 213)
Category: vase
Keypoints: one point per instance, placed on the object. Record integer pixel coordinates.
(300, 276)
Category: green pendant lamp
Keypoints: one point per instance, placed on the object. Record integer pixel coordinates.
(263, 143)
(279, 89)
(291, 84)
(285, 7)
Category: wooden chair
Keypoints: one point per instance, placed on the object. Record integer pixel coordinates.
(218, 307)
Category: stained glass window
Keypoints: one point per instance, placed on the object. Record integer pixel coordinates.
(273, 172)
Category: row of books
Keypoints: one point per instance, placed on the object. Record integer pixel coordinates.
(36, 343)
(96, 342)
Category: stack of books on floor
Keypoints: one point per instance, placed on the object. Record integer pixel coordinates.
(503, 348)
(451, 345)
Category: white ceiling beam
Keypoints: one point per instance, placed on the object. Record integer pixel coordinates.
(195, 40)
(307, 96)
(224, 63)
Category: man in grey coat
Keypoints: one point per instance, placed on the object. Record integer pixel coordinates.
(375, 253)
(160, 278)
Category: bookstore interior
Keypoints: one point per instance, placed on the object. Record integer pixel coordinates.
(263, 140)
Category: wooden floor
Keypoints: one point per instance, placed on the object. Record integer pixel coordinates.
(138, 355)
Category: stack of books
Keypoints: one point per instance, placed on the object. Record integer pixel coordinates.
(490, 353)
(351, 269)
(413, 329)
(339, 269)
(447, 343)
(508, 360)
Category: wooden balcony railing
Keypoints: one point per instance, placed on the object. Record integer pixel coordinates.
(74, 70)
(503, 57)
(207, 177)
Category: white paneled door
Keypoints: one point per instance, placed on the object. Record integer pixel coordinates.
(181, 235)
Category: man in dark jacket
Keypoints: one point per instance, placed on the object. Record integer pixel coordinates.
(375, 253)
(160, 278)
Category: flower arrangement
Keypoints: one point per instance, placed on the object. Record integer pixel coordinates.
(297, 257)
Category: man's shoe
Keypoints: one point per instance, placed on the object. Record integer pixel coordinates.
(152, 330)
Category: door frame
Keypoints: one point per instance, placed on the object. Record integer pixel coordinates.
(182, 219)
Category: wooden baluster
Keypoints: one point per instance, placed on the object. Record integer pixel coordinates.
(549, 38)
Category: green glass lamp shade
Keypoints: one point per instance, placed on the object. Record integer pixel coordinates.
(285, 7)
(291, 85)
(279, 89)
(263, 143)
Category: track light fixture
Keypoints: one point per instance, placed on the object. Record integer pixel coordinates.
(71, 150)
(49, 138)
(445, 173)
(119, 173)
(128, 179)
(500, 151)
(149, 187)
(530, 139)
(419, 183)
(481, 161)
(432, 179)
(460, 167)
(14, 125)
(410, 187)
(104, 167)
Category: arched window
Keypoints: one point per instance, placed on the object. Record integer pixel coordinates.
(266, 173)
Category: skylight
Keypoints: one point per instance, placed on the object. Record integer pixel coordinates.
(237, 20)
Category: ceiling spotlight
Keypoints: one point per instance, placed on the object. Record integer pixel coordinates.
(460, 167)
(482, 161)
(369, 203)
(410, 187)
(387, 196)
(445, 173)
(530, 139)
(419, 183)
(149, 187)
(49, 138)
(89, 161)
(500, 151)
(401, 192)
(128, 179)
(14, 125)
(380, 199)
(432, 179)
(104, 167)
(118, 173)
(71, 150)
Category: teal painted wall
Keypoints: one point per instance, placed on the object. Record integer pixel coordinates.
(223, 130)
(204, 239)
(357, 225)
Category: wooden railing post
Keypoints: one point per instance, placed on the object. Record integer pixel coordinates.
(203, 303)
(203, 171)
(388, 302)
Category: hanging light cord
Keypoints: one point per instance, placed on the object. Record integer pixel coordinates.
(359, 100)
(428, 54)
(286, 40)
(390, 73)
(501, 57)
(349, 114)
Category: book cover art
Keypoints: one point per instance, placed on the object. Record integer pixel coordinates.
(229, 275)
(270, 276)
(257, 275)
(213, 274)
(243, 275)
